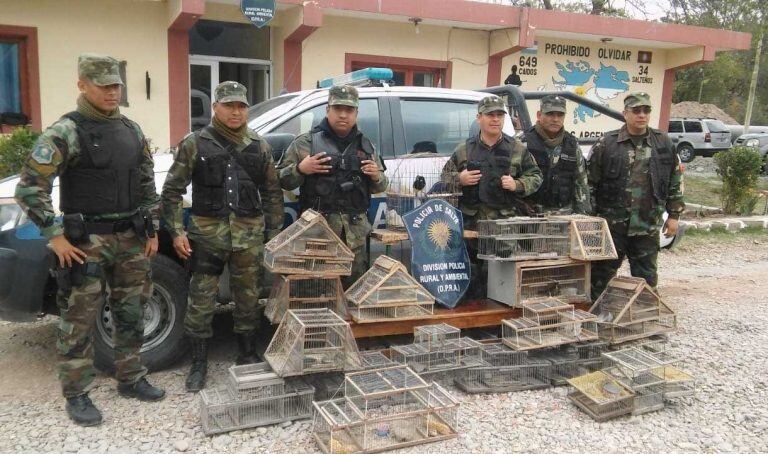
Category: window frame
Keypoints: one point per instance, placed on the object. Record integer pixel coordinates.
(698, 122)
(29, 72)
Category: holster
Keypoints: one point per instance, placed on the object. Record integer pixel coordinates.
(74, 229)
(204, 262)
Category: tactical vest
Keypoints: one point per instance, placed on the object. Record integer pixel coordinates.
(558, 185)
(225, 180)
(106, 179)
(615, 168)
(492, 164)
(345, 188)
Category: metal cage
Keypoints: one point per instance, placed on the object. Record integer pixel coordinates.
(513, 283)
(600, 396)
(590, 238)
(504, 370)
(547, 324)
(387, 291)
(453, 355)
(570, 361)
(312, 340)
(435, 336)
(308, 246)
(373, 359)
(305, 292)
(523, 238)
(255, 381)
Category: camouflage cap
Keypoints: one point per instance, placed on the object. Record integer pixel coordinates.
(100, 69)
(343, 95)
(552, 103)
(231, 91)
(637, 99)
(490, 104)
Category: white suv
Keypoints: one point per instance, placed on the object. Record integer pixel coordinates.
(698, 137)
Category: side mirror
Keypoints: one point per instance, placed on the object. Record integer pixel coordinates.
(279, 143)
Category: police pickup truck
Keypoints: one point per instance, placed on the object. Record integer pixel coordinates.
(399, 121)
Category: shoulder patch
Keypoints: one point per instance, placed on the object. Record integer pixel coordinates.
(42, 153)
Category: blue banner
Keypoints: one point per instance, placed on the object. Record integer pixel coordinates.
(439, 259)
(259, 12)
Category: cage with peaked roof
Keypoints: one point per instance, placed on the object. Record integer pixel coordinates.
(548, 323)
(308, 246)
(600, 396)
(513, 283)
(630, 309)
(305, 291)
(523, 238)
(387, 291)
(590, 238)
(312, 340)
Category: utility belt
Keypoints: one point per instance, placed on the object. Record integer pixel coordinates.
(77, 229)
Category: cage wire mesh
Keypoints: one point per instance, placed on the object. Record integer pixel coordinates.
(590, 238)
(305, 292)
(548, 323)
(504, 370)
(387, 291)
(308, 246)
(312, 340)
(374, 359)
(523, 238)
(514, 283)
(255, 381)
(452, 355)
(600, 396)
(435, 336)
(413, 182)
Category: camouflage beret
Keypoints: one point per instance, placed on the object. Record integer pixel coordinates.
(490, 104)
(231, 91)
(343, 95)
(100, 69)
(552, 103)
(637, 99)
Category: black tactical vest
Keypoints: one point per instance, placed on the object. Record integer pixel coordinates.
(558, 185)
(106, 179)
(615, 167)
(345, 188)
(492, 164)
(225, 180)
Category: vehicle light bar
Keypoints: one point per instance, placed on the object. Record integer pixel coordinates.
(359, 78)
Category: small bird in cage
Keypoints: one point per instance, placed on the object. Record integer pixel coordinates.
(419, 183)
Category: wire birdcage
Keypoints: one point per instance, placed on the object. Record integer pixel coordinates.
(312, 340)
(387, 291)
(305, 292)
(678, 383)
(590, 238)
(452, 355)
(222, 411)
(308, 246)
(414, 182)
(374, 359)
(600, 396)
(513, 283)
(648, 399)
(630, 309)
(635, 369)
(523, 238)
(504, 370)
(435, 336)
(255, 381)
(548, 324)
(569, 361)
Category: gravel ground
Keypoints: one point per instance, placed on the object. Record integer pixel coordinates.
(717, 287)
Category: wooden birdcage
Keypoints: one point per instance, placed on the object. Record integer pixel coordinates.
(503, 370)
(548, 323)
(639, 367)
(630, 309)
(312, 340)
(600, 396)
(308, 246)
(513, 283)
(435, 336)
(387, 291)
(523, 238)
(305, 292)
(571, 360)
(590, 238)
(454, 354)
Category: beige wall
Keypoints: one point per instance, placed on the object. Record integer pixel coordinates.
(131, 31)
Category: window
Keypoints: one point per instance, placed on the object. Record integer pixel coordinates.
(436, 126)
(716, 126)
(10, 78)
(692, 126)
(414, 76)
(675, 126)
(367, 120)
(124, 91)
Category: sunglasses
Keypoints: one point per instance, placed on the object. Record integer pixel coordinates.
(637, 110)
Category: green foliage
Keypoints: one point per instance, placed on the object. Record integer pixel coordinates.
(14, 149)
(739, 169)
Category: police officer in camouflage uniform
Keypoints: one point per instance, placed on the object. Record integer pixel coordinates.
(634, 174)
(495, 172)
(563, 167)
(236, 200)
(107, 235)
(337, 170)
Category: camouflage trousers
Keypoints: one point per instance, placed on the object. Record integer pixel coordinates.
(354, 232)
(117, 260)
(245, 273)
(642, 252)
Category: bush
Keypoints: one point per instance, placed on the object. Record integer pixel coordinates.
(14, 150)
(739, 169)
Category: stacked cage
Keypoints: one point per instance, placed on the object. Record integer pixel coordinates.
(630, 309)
(310, 258)
(548, 323)
(600, 396)
(254, 396)
(503, 370)
(523, 238)
(414, 182)
(590, 238)
(438, 351)
(312, 340)
(572, 360)
(374, 359)
(387, 291)
(385, 409)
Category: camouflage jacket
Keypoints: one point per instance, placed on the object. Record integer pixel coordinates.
(233, 233)
(57, 148)
(522, 168)
(641, 214)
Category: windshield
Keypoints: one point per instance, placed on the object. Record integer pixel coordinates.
(716, 126)
(265, 106)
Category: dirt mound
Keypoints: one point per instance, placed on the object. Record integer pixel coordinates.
(693, 109)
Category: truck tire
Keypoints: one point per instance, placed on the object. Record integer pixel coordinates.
(164, 342)
(686, 152)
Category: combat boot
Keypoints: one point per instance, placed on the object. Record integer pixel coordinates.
(199, 367)
(141, 390)
(82, 411)
(246, 349)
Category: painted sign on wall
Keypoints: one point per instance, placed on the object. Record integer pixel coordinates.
(259, 12)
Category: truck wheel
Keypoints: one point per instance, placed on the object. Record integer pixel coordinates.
(164, 342)
(686, 153)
